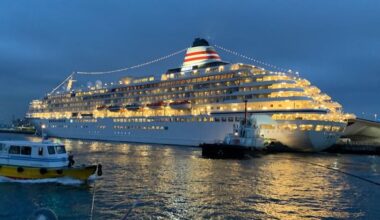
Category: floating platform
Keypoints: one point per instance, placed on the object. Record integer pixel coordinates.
(228, 151)
(225, 151)
(354, 149)
(17, 131)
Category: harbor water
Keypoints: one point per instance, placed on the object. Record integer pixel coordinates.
(143, 181)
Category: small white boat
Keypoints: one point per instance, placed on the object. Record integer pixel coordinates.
(41, 160)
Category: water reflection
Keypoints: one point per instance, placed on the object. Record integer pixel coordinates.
(175, 182)
(295, 190)
(19, 201)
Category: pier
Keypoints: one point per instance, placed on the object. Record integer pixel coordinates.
(369, 149)
(19, 130)
(362, 136)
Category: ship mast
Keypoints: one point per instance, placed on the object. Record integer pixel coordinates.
(245, 111)
(70, 82)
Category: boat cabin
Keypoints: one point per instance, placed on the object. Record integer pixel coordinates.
(33, 154)
(248, 134)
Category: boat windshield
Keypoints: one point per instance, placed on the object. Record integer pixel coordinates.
(14, 150)
(51, 149)
(60, 149)
(3, 148)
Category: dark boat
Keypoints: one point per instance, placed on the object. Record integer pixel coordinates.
(102, 107)
(224, 151)
(114, 108)
(184, 104)
(157, 105)
(133, 107)
(87, 115)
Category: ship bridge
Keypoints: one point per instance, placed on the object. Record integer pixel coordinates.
(363, 131)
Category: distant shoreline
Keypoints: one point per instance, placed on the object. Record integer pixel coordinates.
(17, 131)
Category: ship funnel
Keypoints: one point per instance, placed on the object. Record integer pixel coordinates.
(199, 55)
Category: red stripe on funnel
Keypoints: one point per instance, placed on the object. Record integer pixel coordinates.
(202, 58)
(201, 52)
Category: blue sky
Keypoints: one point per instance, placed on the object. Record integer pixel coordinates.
(333, 43)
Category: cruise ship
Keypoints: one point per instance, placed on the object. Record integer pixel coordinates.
(200, 102)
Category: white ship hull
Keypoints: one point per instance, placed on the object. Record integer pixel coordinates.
(179, 133)
(307, 141)
(173, 133)
(302, 140)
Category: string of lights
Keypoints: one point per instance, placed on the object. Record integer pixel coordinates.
(250, 58)
(135, 66)
(164, 58)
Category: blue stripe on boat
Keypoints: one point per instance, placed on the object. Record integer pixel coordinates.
(36, 159)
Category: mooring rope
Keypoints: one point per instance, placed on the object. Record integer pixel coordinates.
(137, 201)
(341, 171)
(94, 192)
(93, 201)
(331, 168)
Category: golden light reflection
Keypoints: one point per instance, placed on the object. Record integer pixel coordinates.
(177, 182)
(296, 190)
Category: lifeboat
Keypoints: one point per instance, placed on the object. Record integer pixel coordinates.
(133, 107)
(101, 108)
(114, 108)
(87, 115)
(41, 160)
(157, 105)
(185, 104)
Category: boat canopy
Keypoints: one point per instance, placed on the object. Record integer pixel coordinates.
(33, 154)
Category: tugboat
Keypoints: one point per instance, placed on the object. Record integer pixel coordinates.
(41, 160)
(245, 139)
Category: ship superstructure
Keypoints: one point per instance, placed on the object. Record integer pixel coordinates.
(200, 102)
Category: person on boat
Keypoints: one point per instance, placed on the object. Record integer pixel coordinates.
(71, 159)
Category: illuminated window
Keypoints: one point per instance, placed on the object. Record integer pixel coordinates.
(266, 126)
(288, 126)
(307, 127)
(319, 128)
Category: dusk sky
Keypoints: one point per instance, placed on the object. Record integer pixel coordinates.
(335, 44)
